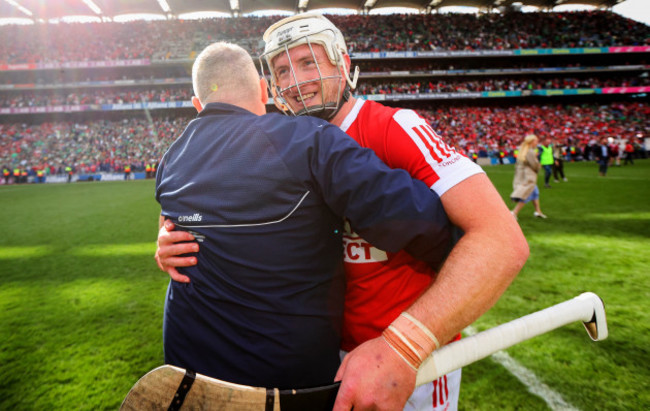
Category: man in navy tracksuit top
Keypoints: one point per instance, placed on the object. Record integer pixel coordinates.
(266, 196)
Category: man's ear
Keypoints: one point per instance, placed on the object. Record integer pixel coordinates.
(348, 62)
(265, 90)
(353, 75)
(197, 104)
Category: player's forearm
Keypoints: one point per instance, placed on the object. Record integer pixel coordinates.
(480, 267)
(467, 287)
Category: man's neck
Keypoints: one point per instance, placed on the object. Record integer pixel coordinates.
(337, 120)
(254, 106)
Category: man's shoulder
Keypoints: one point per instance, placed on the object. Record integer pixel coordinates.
(374, 112)
(376, 119)
(283, 118)
(283, 128)
(272, 121)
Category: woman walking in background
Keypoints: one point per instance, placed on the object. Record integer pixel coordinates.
(525, 181)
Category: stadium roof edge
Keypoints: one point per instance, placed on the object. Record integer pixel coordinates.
(108, 9)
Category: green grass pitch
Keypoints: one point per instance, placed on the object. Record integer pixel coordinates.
(81, 298)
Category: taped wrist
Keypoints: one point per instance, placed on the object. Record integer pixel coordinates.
(410, 339)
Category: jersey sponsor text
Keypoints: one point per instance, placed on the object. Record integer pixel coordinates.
(359, 251)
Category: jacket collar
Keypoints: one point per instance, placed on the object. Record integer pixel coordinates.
(221, 108)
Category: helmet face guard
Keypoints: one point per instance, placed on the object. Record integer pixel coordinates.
(329, 103)
(309, 29)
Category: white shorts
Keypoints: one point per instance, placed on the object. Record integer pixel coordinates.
(439, 395)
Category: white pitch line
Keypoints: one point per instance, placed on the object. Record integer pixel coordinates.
(553, 399)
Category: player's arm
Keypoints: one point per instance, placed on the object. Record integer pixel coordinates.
(482, 264)
(171, 244)
(493, 248)
(478, 270)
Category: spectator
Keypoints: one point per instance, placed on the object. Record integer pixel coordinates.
(559, 154)
(629, 153)
(524, 184)
(602, 154)
(546, 160)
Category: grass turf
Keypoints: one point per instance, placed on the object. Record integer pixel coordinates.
(81, 298)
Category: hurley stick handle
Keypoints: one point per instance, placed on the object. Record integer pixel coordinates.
(587, 307)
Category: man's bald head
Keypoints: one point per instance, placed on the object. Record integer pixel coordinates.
(225, 72)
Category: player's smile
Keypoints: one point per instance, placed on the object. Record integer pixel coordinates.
(307, 99)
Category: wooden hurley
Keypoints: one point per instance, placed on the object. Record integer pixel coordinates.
(170, 388)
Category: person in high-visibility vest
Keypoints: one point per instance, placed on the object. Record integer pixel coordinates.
(147, 170)
(546, 160)
(68, 171)
(6, 174)
(573, 152)
(127, 171)
(40, 176)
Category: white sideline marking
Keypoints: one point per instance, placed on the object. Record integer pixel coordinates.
(553, 399)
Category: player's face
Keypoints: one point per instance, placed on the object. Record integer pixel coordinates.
(307, 79)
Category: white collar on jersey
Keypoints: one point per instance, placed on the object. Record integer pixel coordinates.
(352, 115)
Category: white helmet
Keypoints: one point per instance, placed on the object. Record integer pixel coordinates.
(308, 28)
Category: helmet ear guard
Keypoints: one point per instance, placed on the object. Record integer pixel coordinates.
(352, 82)
(279, 101)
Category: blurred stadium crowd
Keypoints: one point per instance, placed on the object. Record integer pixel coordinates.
(90, 143)
(108, 146)
(88, 147)
(138, 40)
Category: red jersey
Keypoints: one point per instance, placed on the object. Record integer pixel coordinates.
(380, 285)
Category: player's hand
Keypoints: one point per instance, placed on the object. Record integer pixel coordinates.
(374, 377)
(168, 251)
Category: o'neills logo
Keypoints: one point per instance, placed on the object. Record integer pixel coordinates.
(190, 218)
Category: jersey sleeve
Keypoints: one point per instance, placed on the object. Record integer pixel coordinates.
(413, 145)
(387, 207)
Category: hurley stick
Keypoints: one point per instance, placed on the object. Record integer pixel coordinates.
(587, 307)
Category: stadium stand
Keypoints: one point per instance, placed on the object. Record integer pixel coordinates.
(96, 97)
